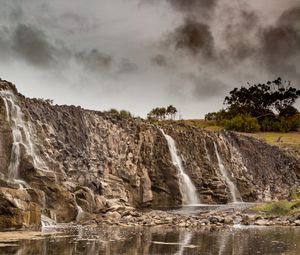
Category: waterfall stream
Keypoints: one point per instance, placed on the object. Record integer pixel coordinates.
(187, 187)
(21, 133)
(235, 195)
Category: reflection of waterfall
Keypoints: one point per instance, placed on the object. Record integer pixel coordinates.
(235, 195)
(187, 187)
(223, 244)
(21, 133)
(184, 241)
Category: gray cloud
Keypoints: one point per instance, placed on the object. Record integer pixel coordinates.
(206, 86)
(280, 45)
(94, 60)
(159, 60)
(33, 46)
(183, 5)
(126, 66)
(194, 37)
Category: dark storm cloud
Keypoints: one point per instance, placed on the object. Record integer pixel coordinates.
(94, 60)
(280, 45)
(239, 36)
(33, 46)
(205, 86)
(194, 37)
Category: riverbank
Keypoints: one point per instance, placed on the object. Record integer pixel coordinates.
(214, 216)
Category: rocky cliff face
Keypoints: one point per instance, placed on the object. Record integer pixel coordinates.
(73, 160)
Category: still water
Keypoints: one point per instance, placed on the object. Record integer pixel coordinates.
(117, 240)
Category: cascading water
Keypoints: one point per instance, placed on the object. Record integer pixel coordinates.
(47, 222)
(206, 150)
(21, 133)
(235, 195)
(186, 185)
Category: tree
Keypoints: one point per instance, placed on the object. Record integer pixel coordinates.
(262, 100)
(171, 110)
(161, 113)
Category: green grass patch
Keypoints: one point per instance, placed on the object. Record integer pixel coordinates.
(204, 124)
(279, 208)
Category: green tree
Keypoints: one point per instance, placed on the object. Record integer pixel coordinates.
(171, 111)
(262, 100)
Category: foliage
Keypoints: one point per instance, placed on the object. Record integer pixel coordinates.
(43, 100)
(262, 100)
(125, 114)
(281, 124)
(122, 113)
(161, 113)
(243, 123)
(219, 116)
(279, 208)
(268, 106)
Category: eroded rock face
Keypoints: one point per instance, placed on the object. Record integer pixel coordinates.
(96, 161)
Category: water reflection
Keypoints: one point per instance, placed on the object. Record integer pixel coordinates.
(116, 240)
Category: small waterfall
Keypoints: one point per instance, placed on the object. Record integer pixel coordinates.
(79, 213)
(186, 185)
(79, 210)
(235, 195)
(21, 133)
(47, 222)
(206, 150)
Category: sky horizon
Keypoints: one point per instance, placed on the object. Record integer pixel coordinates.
(140, 54)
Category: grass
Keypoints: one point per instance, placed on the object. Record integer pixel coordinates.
(291, 139)
(204, 124)
(280, 208)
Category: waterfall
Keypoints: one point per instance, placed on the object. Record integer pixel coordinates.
(235, 195)
(187, 187)
(206, 151)
(21, 133)
(47, 222)
(79, 212)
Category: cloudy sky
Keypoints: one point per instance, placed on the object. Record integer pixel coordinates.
(139, 54)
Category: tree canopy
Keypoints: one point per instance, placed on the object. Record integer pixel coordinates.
(271, 104)
(261, 100)
(161, 113)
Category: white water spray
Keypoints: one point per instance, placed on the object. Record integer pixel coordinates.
(47, 222)
(186, 185)
(21, 133)
(235, 195)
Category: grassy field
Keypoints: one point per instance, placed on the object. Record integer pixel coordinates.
(291, 139)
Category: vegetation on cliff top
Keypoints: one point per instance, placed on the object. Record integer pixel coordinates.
(260, 107)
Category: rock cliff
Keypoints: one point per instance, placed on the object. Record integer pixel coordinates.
(74, 163)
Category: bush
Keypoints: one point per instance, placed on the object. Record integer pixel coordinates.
(125, 114)
(270, 124)
(243, 123)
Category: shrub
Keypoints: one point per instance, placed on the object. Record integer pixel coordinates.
(243, 123)
(270, 124)
(125, 114)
